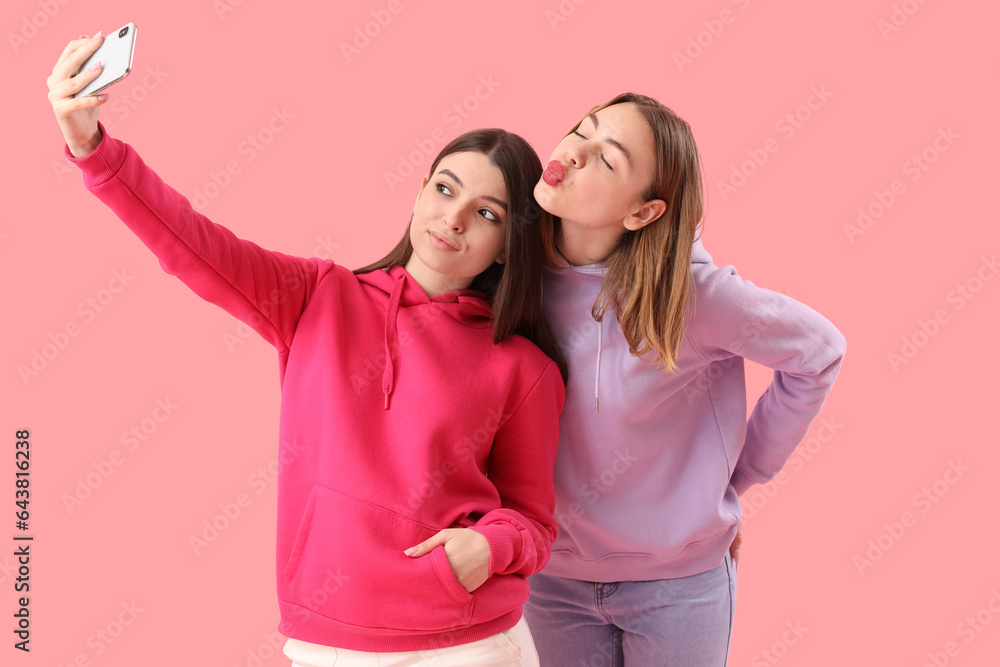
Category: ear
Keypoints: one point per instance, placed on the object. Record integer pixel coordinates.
(502, 257)
(645, 214)
(419, 192)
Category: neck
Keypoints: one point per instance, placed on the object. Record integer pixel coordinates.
(582, 245)
(432, 282)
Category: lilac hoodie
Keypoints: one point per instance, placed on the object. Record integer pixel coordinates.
(647, 488)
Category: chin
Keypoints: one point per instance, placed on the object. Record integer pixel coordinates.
(543, 195)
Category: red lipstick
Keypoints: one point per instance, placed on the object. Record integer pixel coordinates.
(554, 173)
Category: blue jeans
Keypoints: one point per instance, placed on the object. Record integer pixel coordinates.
(683, 622)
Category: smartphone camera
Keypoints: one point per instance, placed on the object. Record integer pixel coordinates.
(123, 32)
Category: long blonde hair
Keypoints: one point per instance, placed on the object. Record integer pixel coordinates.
(648, 276)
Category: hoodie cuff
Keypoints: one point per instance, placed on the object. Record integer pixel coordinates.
(504, 540)
(103, 162)
(741, 481)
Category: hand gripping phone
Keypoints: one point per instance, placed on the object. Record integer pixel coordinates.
(116, 54)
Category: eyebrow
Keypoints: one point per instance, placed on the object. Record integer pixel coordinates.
(458, 180)
(613, 142)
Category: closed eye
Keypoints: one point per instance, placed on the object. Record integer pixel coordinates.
(601, 155)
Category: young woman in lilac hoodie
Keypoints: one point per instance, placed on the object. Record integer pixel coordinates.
(654, 445)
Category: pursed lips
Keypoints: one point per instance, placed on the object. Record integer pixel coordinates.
(443, 239)
(554, 173)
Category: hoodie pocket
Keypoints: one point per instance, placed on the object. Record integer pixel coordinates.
(348, 564)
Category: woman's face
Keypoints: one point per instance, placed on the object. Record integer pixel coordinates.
(598, 173)
(459, 222)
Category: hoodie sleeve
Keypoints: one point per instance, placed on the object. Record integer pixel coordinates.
(522, 466)
(267, 290)
(734, 318)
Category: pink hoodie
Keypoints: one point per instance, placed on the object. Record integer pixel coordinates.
(399, 417)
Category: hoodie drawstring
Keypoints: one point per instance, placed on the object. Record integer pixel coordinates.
(597, 382)
(390, 337)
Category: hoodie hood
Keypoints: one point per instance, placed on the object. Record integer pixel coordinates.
(468, 307)
(698, 253)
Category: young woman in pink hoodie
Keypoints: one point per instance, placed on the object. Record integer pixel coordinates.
(418, 417)
(654, 445)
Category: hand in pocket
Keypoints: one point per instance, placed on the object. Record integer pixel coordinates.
(468, 554)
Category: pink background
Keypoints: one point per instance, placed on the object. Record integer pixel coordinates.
(318, 187)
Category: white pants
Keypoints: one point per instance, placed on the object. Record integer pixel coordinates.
(510, 648)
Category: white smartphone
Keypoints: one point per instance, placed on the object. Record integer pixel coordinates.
(116, 54)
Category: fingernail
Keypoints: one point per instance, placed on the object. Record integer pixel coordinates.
(409, 552)
(103, 96)
(96, 66)
(97, 36)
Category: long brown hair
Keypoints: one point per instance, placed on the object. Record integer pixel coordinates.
(648, 277)
(513, 289)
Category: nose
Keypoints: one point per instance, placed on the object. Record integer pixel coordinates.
(576, 154)
(454, 220)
